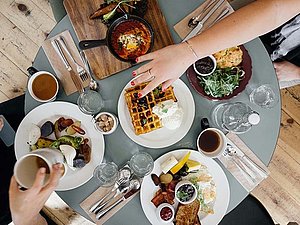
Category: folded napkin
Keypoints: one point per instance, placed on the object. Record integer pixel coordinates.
(245, 161)
(182, 27)
(61, 72)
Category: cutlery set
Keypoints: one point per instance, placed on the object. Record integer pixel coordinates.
(197, 23)
(250, 170)
(61, 47)
(126, 186)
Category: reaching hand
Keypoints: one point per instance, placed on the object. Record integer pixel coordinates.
(286, 71)
(26, 205)
(166, 66)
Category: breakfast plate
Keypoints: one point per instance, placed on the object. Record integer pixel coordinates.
(162, 137)
(51, 112)
(220, 204)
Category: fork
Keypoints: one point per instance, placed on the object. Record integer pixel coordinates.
(80, 70)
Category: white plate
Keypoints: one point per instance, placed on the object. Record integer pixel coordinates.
(162, 137)
(148, 188)
(52, 111)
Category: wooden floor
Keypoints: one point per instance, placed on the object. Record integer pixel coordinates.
(24, 26)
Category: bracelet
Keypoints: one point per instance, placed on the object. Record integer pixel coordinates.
(192, 50)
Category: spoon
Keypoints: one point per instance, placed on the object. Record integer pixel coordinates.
(93, 85)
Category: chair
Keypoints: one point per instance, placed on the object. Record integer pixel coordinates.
(249, 212)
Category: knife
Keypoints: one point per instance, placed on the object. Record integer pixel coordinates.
(197, 29)
(106, 210)
(74, 77)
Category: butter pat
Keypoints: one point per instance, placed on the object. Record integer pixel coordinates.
(193, 165)
(168, 164)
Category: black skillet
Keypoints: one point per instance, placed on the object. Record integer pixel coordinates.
(87, 44)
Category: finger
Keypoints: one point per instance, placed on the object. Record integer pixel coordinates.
(142, 69)
(54, 177)
(13, 187)
(146, 76)
(153, 84)
(146, 57)
(275, 65)
(167, 83)
(39, 179)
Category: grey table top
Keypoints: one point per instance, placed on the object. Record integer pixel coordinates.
(119, 148)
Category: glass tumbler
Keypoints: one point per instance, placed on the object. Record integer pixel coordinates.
(106, 174)
(264, 96)
(141, 164)
(90, 102)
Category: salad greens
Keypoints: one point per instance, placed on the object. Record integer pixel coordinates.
(221, 82)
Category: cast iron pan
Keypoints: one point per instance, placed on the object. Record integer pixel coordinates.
(87, 44)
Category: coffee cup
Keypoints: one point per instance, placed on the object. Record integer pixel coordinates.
(27, 166)
(42, 85)
(211, 142)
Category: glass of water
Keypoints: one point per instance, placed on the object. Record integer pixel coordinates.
(264, 96)
(106, 174)
(90, 102)
(141, 164)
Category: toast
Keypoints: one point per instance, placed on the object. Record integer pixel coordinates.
(188, 214)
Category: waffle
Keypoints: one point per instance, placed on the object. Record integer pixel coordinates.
(142, 117)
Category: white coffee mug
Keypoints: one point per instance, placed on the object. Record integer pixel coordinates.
(211, 142)
(27, 166)
(43, 87)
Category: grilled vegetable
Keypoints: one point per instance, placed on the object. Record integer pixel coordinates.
(75, 142)
(70, 130)
(44, 142)
(47, 129)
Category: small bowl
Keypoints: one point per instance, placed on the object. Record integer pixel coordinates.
(159, 210)
(205, 74)
(101, 118)
(182, 183)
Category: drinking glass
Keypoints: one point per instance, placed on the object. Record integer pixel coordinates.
(264, 96)
(90, 102)
(141, 164)
(106, 174)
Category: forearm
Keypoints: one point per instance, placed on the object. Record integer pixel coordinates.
(36, 220)
(244, 25)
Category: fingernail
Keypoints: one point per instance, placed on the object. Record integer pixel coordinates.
(139, 95)
(164, 90)
(137, 59)
(133, 73)
(132, 83)
(57, 166)
(43, 170)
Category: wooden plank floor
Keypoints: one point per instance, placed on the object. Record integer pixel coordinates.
(24, 26)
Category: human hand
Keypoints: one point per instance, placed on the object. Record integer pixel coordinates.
(1, 123)
(286, 71)
(26, 205)
(166, 66)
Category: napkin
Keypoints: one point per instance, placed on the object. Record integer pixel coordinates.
(243, 152)
(95, 196)
(61, 72)
(182, 27)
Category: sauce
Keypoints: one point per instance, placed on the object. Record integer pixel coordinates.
(204, 65)
(44, 87)
(166, 213)
(131, 39)
(209, 141)
(185, 192)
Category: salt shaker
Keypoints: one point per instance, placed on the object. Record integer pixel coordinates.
(235, 117)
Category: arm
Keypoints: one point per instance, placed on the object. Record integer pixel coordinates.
(26, 205)
(255, 19)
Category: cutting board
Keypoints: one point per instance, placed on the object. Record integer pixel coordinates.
(102, 62)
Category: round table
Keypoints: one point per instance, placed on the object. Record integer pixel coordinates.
(119, 148)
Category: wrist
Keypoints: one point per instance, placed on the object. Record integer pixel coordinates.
(189, 56)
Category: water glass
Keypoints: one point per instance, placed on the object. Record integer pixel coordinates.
(90, 102)
(141, 164)
(264, 96)
(106, 174)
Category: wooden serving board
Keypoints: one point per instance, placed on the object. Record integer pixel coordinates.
(102, 62)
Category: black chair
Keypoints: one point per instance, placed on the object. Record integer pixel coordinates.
(249, 212)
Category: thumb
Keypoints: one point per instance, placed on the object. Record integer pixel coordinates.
(13, 187)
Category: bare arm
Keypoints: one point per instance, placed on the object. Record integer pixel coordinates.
(253, 20)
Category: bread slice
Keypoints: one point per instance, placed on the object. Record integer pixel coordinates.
(188, 214)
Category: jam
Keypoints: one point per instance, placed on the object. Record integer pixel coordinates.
(205, 65)
(166, 213)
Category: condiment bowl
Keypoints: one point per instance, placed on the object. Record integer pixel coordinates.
(106, 122)
(204, 63)
(161, 211)
(187, 186)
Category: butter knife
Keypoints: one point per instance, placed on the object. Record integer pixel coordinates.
(76, 80)
(198, 28)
